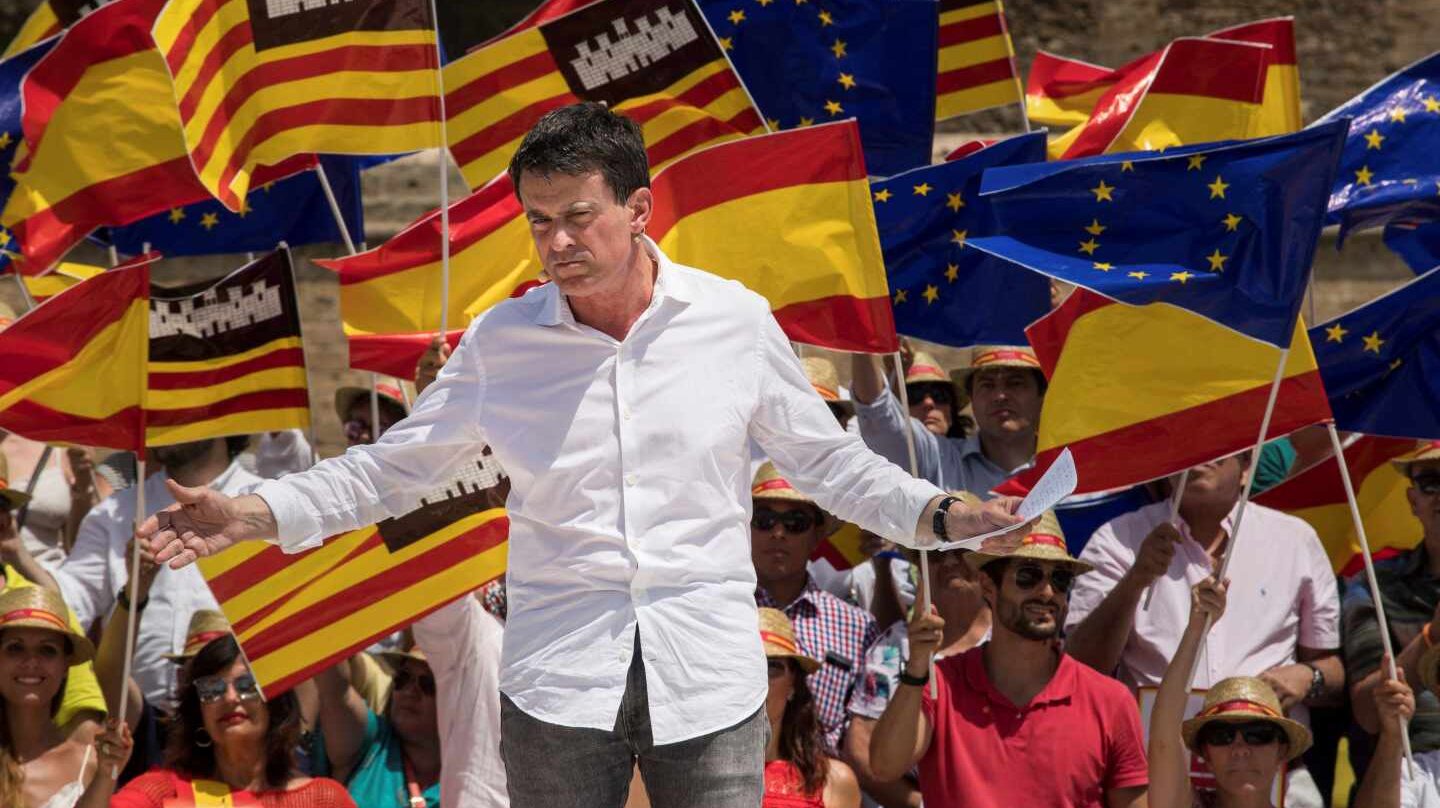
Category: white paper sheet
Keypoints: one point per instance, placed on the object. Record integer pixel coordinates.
(1057, 483)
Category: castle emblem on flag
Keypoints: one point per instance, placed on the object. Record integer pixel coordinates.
(480, 485)
(604, 61)
(216, 311)
(625, 49)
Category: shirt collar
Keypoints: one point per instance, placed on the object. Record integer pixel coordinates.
(806, 596)
(670, 285)
(1060, 687)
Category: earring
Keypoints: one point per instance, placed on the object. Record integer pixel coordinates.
(203, 739)
(636, 236)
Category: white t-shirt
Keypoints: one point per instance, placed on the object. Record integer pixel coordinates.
(1422, 790)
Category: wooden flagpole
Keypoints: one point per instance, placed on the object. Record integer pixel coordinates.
(905, 420)
(334, 208)
(443, 162)
(1174, 514)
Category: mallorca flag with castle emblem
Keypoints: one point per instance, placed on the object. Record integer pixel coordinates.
(259, 81)
(297, 614)
(1227, 230)
(655, 61)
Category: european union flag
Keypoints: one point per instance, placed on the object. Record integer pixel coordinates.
(942, 289)
(12, 71)
(1416, 242)
(1381, 362)
(806, 63)
(293, 210)
(1226, 230)
(1391, 162)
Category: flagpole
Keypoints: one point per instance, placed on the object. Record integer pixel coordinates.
(334, 206)
(1370, 578)
(1174, 514)
(45, 453)
(444, 163)
(915, 472)
(309, 382)
(24, 292)
(1244, 494)
(132, 613)
(374, 407)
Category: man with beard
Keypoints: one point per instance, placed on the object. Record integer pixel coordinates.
(1015, 721)
(94, 576)
(1283, 620)
(1006, 388)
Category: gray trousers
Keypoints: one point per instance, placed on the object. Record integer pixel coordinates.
(553, 766)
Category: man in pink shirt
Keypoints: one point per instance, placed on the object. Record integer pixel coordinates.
(1015, 721)
(1283, 620)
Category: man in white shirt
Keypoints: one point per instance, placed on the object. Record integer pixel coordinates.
(93, 576)
(621, 398)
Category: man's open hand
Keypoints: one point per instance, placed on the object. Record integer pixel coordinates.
(203, 522)
(963, 522)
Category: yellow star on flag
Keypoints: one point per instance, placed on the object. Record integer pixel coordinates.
(176, 214)
(1373, 139)
(1181, 276)
(1127, 165)
(244, 208)
(1431, 105)
(1196, 160)
(1335, 333)
(1104, 266)
(1217, 261)
(773, 124)
(726, 43)
(1217, 188)
(952, 272)
(1138, 275)
(1089, 246)
(1398, 115)
(922, 189)
(959, 236)
(1232, 222)
(764, 3)
(954, 202)
(833, 107)
(804, 121)
(5, 140)
(900, 296)
(1102, 192)
(1373, 342)
(847, 81)
(932, 293)
(1363, 175)
(838, 49)
(883, 195)
(209, 220)
(737, 16)
(826, 19)
(1095, 228)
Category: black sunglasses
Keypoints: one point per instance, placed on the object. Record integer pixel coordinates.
(403, 678)
(1427, 484)
(794, 521)
(776, 668)
(211, 689)
(1255, 733)
(938, 392)
(1029, 576)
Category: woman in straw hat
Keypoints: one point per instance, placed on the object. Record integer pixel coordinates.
(1240, 731)
(798, 774)
(43, 765)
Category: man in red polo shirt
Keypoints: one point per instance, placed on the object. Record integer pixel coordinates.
(1015, 721)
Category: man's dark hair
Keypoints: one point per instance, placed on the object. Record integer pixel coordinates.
(235, 444)
(581, 138)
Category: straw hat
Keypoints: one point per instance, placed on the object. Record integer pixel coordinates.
(346, 397)
(1242, 699)
(13, 496)
(396, 656)
(924, 368)
(38, 607)
(995, 356)
(206, 626)
(1044, 542)
(769, 484)
(778, 636)
(1424, 450)
(826, 381)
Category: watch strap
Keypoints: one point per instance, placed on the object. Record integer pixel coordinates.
(914, 681)
(938, 521)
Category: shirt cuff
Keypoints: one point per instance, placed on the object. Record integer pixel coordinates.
(918, 494)
(298, 528)
(880, 407)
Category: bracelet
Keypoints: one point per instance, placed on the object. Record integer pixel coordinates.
(914, 681)
(937, 522)
(123, 598)
(1317, 682)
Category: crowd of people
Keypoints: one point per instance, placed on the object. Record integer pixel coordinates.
(1115, 669)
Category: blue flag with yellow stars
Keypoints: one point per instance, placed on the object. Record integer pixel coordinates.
(293, 210)
(12, 71)
(1381, 362)
(1416, 242)
(813, 61)
(1391, 162)
(1226, 230)
(943, 290)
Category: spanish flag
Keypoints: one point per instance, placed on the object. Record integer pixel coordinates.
(976, 64)
(257, 83)
(226, 356)
(1139, 392)
(653, 60)
(841, 548)
(809, 245)
(297, 614)
(43, 23)
(74, 367)
(394, 289)
(57, 280)
(1062, 92)
(1281, 109)
(1317, 495)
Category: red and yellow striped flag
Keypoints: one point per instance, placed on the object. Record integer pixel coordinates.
(43, 23)
(226, 356)
(976, 61)
(1317, 495)
(74, 367)
(841, 548)
(1281, 112)
(257, 83)
(297, 614)
(57, 280)
(656, 61)
(810, 245)
(1062, 92)
(1139, 392)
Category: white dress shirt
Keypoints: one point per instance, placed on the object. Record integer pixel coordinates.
(95, 572)
(629, 463)
(461, 642)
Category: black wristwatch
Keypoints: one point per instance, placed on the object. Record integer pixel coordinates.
(1317, 682)
(124, 598)
(938, 521)
(914, 681)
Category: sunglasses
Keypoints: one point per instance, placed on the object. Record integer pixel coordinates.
(776, 668)
(940, 393)
(1427, 484)
(211, 689)
(794, 521)
(1255, 733)
(1030, 576)
(403, 678)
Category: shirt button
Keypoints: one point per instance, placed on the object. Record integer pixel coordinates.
(631, 479)
(625, 411)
